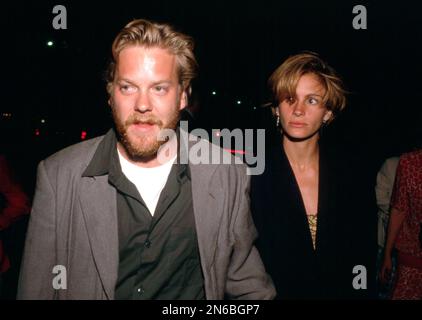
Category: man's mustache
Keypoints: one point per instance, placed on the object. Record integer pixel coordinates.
(134, 119)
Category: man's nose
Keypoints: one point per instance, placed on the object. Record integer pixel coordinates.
(143, 102)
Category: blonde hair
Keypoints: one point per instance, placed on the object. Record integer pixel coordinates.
(150, 34)
(283, 81)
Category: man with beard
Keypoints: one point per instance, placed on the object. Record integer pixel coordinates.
(119, 217)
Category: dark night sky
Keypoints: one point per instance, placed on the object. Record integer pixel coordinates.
(238, 45)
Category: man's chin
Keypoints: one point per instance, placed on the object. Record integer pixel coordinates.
(143, 156)
(137, 150)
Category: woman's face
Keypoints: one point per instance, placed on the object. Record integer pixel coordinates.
(301, 116)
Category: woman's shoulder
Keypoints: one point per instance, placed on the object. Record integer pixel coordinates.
(413, 158)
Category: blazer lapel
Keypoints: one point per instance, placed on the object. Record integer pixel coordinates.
(323, 202)
(207, 210)
(208, 206)
(327, 197)
(98, 204)
(296, 208)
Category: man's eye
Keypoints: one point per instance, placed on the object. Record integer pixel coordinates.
(125, 88)
(160, 89)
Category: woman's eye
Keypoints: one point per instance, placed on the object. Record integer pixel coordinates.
(290, 100)
(313, 101)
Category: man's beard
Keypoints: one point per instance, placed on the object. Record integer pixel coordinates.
(142, 146)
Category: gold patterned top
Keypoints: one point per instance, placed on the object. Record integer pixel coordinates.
(312, 221)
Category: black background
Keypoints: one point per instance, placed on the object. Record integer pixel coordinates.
(238, 45)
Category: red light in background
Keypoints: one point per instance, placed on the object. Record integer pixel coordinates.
(37, 132)
(83, 135)
(236, 151)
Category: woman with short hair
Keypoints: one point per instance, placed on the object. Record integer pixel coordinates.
(306, 206)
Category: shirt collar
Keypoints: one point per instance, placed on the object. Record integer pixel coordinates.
(101, 161)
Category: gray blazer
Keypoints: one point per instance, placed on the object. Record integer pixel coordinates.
(73, 224)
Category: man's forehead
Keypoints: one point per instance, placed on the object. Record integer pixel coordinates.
(139, 60)
(154, 52)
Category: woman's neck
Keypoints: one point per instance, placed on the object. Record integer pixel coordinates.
(304, 154)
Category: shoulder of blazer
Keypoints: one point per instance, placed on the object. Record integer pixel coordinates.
(73, 159)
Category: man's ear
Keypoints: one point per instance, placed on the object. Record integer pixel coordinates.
(183, 100)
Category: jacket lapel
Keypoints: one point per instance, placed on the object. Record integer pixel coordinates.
(98, 203)
(321, 236)
(329, 190)
(296, 211)
(206, 209)
(208, 202)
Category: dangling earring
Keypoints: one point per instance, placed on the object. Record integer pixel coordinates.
(325, 121)
(277, 123)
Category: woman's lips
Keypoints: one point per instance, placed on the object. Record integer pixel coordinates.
(297, 124)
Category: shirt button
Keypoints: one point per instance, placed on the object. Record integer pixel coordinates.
(147, 244)
(141, 290)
